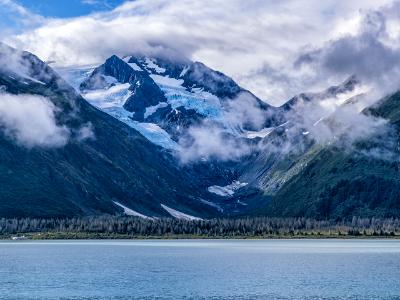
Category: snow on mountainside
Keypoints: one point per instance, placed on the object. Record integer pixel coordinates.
(91, 163)
(111, 100)
(163, 98)
(229, 190)
(119, 171)
(179, 215)
(131, 212)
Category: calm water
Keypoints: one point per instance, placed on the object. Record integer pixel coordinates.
(271, 269)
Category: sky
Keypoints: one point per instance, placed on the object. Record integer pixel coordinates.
(276, 49)
(67, 8)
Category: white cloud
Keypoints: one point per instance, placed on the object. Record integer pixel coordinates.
(336, 121)
(210, 140)
(30, 121)
(255, 41)
(330, 120)
(85, 132)
(274, 48)
(372, 53)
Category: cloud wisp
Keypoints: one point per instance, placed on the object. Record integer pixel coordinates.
(213, 140)
(30, 121)
(334, 122)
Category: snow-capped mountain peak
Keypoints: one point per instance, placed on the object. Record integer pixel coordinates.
(168, 95)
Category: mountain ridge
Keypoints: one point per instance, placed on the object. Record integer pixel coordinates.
(143, 106)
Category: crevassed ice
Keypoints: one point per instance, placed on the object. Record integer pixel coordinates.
(199, 100)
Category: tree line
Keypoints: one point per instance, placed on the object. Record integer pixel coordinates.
(232, 227)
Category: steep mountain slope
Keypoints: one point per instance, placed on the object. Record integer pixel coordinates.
(287, 148)
(115, 170)
(336, 183)
(348, 86)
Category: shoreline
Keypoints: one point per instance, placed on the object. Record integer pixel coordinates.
(84, 236)
(122, 227)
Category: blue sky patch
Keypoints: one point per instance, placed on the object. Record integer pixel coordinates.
(68, 8)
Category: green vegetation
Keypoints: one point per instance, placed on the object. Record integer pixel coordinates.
(337, 185)
(123, 227)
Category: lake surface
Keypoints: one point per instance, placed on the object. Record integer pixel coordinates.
(200, 269)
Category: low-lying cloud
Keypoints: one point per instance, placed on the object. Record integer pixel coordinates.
(12, 60)
(209, 141)
(332, 122)
(30, 121)
(212, 140)
(326, 120)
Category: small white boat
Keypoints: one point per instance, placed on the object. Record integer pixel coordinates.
(19, 238)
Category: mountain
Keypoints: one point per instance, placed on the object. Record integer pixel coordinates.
(126, 123)
(335, 183)
(288, 147)
(163, 99)
(168, 94)
(113, 170)
(348, 86)
(297, 176)
(186, 94)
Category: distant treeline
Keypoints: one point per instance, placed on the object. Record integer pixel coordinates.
(124, 226)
